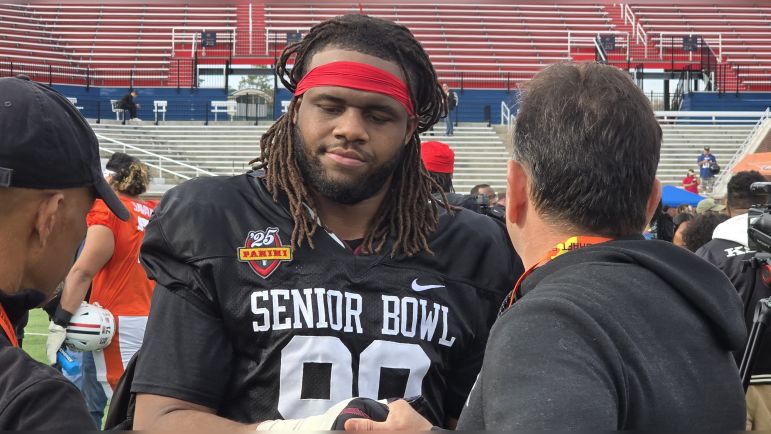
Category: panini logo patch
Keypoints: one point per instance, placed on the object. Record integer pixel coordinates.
(263, 251)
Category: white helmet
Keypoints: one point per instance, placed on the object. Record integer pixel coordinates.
(91, 328)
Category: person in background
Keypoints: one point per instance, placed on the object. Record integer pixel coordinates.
(452, 104)
(129, 104)
(730, 251)
(705, 161)
(681, 223)
(699, 230)
(50, 173)
(485, 194)
(109, 265)
(709, 205)
(691, 182)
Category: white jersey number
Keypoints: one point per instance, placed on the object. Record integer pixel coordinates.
(331, 350)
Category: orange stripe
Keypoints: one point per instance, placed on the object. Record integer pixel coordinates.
(7, 327)
(572, 243)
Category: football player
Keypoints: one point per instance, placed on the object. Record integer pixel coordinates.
(331, 271)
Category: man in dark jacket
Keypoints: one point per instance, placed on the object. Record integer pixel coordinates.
(49, 175)
(127, 103)
(609, 331)
(729, 251)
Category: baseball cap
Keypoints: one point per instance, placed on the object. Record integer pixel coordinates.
(47, 144)
(708, 204)
(437, 157)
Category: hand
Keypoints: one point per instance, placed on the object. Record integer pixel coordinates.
(332, 419)
(401, 416)
(56, 336)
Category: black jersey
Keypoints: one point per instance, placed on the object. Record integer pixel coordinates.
(242, 323)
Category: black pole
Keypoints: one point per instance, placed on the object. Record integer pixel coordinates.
(98, 112)
(88, 78)
(461, 82)
(49, 76)
(206, 115)
(227, 72)
(194, 83)
(759, 323)
(508, 82)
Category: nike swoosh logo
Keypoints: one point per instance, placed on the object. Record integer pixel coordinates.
(420, 288)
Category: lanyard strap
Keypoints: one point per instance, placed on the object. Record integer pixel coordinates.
(572, 243)
(5, 324)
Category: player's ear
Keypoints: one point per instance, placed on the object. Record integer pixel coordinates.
(412, 125)
(296, 109)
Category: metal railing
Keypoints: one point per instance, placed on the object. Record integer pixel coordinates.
(151, 156)
(725, 173)
(507, 118)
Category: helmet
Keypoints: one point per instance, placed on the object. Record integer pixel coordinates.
(91, 328)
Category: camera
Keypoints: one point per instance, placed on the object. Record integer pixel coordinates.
(759, 220)
(495, 211)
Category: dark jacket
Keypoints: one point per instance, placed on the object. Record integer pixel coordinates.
(624, 335)
(728, 251)
(127, 102)
(34, 396)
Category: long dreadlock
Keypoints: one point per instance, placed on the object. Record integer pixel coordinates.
(408, 213)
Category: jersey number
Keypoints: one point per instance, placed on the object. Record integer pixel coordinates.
(141, 223)
(331, 350)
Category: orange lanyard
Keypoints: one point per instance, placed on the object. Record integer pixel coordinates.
(572, 243)
(7, 327)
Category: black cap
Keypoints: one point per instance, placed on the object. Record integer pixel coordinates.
(47, 144)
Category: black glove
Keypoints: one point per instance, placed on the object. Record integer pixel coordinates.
(361, 408)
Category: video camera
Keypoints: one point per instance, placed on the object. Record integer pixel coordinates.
(759, 220)
(495, 211)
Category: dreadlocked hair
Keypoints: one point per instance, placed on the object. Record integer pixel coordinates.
(408, 214)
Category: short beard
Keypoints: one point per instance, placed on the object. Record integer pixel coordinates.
(347, 193)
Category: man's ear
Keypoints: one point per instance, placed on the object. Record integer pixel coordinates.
(517, 193)
(48, 210)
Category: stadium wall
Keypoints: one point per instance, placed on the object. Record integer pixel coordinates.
(471, 105)
(194, 104)
(185, 104)
(712, 101)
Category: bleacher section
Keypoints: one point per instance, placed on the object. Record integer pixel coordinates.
(684, 139)
(739, 35)
(188, 149)
(477, 40)
(481, 45)
(112, 43)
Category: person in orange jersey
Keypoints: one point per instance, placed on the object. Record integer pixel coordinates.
(109, 263)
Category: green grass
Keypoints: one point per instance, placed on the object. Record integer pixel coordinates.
(35, 340)
(35, 335)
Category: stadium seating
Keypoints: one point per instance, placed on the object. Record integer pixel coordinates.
(739, 35)
(476, 40)
(115, 43)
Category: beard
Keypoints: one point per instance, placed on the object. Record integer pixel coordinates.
(347, 192)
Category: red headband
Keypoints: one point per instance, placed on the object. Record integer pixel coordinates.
(359, 76)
